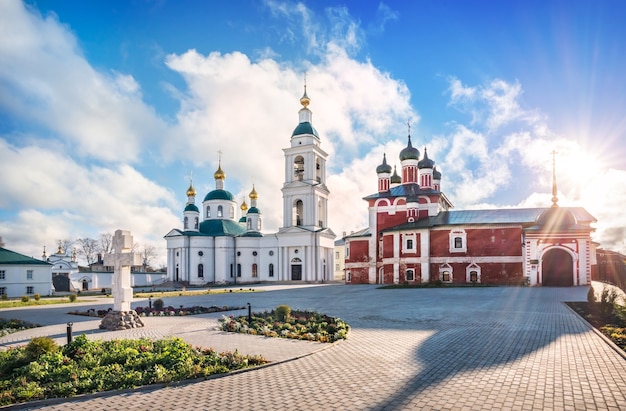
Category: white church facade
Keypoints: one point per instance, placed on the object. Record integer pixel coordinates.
(214, 247)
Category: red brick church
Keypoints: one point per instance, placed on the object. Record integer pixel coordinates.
(414, 236)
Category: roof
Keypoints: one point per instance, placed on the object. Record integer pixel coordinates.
(191, 207)
(219, 194)
(403, 190)
(252, 234)
(218, 227)
(523, 216)
(11, 257)
(361, 233)
(305, 128)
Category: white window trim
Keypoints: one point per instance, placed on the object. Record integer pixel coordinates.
(405, 242)
(469, 269)
(446, 267)
(458, 234)
(406, 274)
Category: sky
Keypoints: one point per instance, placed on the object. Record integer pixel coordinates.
(109, 107)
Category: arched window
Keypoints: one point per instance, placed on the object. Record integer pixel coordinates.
(208, 211)
(232, 212)
(298, 168)
(249, 225)
(458, 241)
(238, 270)
(258, 224)
(255, 272)
(298, 212)
(195, 223)
(271, 270)
(410, 275)
(186, 224)
(200, 271)
(445, 273)
(220, 211)
(318, 170)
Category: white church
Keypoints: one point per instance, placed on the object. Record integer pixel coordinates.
(215, 247)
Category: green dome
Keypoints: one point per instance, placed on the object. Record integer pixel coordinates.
(409, 152)
(191, 207)
(384, 167)
(242, 219)
(305, 128)
(219, 195)
(253, 210)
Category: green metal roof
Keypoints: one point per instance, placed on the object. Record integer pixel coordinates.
(191, 207)
(11, 257)
(253, 210)
(305, 128)
(252, 234)
(219, 194)
(217, 228)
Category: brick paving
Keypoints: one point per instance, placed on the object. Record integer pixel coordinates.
(446, 349)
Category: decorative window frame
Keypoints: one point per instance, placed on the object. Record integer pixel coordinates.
(409, 274)
(443, 269)
(468, 273)
(453, 238)
(409, 243)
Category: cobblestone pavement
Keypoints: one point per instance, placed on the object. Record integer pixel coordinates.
(511, 348)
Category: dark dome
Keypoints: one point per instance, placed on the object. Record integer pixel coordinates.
(384, 167)
(436, 174)
(305, 128)
(191, 207)
(409, 152)
(395, 178)
(253, 210)
(425, 162)
(219, 195)
(556, 218)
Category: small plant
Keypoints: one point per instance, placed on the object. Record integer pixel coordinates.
(40, 345)
(37, 297)
(591, 295)
(158, 304)
(72, 298)
(282, 312)
(25, 298)
(5, 297)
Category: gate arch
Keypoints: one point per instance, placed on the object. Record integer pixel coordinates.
(557, 268)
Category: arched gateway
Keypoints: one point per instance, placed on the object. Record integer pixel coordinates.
(557, 268)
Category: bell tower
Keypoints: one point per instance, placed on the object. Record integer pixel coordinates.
(305, 195)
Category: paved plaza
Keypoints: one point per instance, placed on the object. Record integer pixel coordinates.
(504, 348)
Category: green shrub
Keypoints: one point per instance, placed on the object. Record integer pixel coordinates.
(5, 297)
(72, 298)
(40, 345)
(25, 298)
(282, 312)
(591, 295)
(158, 304)
(37, 297)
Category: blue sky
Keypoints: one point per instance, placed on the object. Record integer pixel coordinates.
(107, 107)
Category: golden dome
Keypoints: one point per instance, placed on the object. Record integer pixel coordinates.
(219, 174)
(191, 192)
(253, 194)
(243, 206)
(304, 100)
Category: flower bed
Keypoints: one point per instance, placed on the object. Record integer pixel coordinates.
(13, 326)
(43, 370)
(609, 319)
(165, 311)
(300, 325)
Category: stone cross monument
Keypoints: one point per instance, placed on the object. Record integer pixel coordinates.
(122, 259)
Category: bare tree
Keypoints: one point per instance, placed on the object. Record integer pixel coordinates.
(88, 248)
(148, 254)
(105, 243)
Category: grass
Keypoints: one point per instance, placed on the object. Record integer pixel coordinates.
(42, 301)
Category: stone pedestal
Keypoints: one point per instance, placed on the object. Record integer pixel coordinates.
(121, 320)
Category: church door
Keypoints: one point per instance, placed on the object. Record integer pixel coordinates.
(557, 268)
(296, 272)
